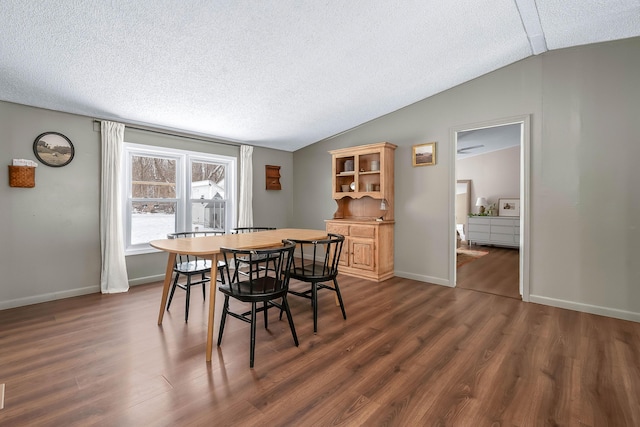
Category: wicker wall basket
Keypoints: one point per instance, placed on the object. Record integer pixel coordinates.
(22, 176)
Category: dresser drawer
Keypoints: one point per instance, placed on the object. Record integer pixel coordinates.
(500, 229)
(480, 220)
(480, 228)
(501, 238)
(477, 236)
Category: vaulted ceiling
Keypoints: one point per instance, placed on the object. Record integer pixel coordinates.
(275, 73)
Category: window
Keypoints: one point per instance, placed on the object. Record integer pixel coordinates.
(167, 190)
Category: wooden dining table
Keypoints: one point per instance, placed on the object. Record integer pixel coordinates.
(209, 247)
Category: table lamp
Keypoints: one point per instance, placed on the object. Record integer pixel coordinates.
(481, 202)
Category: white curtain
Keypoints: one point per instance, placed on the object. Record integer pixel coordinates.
(245, 208)
(113, 276)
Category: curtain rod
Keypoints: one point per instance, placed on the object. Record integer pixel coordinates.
(176, 134)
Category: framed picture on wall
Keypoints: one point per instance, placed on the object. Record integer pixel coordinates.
(509, 207)
(424, 154)
(53, 149)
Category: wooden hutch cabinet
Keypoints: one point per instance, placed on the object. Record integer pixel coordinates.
(362, 179)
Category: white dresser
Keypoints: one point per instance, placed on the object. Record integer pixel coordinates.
(494, 230)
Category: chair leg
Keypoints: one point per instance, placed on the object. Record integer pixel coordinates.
(266, 316)
(204, 295)
(186, 310)
(173, 289)
(252, 349)
(335, 284)
(223, 319)
(314, 302)
(285, 304)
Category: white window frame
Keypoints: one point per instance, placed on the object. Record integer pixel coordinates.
(183, 200)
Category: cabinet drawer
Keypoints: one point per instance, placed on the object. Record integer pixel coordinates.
(502, 238)
(499, 229)
(508, 222)
(338, 229)
(481, 228)
(362, 231)
(477, 220)
(475, 236)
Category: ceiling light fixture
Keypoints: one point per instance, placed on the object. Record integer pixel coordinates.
(532, 26)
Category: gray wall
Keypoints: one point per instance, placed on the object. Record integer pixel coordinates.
(50, 234)
(584, 104)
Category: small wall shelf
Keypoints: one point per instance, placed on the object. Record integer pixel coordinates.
(272, 177)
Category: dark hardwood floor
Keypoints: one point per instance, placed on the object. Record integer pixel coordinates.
(495, 273)
(409, 354)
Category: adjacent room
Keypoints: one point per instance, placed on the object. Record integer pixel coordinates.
(489, 161)
(463, 176)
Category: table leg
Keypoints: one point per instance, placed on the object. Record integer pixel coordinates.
(167, 284)
(212, 304)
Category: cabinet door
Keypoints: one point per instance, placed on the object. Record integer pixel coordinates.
(362, 253)
(344, 254)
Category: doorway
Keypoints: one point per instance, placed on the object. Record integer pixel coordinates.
(492, 140)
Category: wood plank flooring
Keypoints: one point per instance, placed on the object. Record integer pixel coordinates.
(409, 354)
(496, 273)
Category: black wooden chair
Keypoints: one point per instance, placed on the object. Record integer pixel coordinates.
(241, 230)
(317, 263)
(266, 281)
(190, 266)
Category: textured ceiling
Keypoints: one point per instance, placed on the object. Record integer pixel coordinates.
(279, 73)
(486, 140)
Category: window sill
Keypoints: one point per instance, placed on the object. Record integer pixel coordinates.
(141, 251)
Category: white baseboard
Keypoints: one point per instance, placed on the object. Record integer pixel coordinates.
(421, 278)
(586, 308)
(52, 296)
(146, 279)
